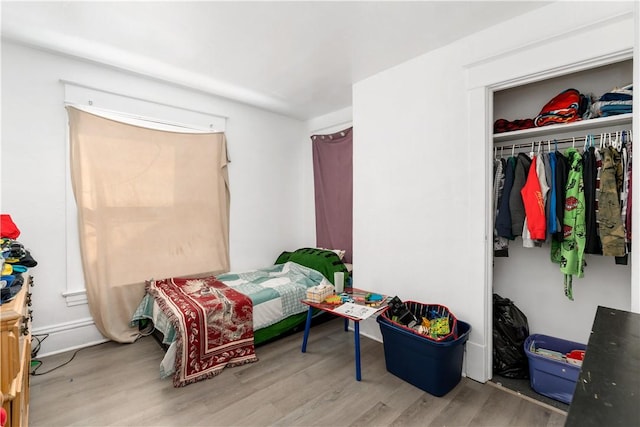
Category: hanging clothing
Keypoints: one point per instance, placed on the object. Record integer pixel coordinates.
(533, 201)
(527, 241)
(516, 205)
(552, 215)
(598, 154)
(570, 253)
(546, 161)
(629, 192)
(571, 197)
(541, 167)
(562, 172)
(503, 218)
(590, 172)
(500, 244)
(611, 228)
(624, 195)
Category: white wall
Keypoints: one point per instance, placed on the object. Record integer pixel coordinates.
(271, 207)
(331, 122)
(420, 170)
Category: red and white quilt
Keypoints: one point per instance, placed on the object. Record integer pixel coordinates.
(214, 325)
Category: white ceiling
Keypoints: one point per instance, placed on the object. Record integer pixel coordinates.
(296, 58)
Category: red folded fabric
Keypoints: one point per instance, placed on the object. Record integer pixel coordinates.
(8, 228)
(503, 125)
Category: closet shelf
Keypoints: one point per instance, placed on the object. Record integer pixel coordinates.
(579, 126)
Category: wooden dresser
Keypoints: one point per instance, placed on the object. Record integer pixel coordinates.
(15, 355)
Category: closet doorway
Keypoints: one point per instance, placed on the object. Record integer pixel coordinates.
(523, 271)
(488, 80)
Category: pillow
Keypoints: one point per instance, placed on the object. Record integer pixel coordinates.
(338, 252)
(324, 261)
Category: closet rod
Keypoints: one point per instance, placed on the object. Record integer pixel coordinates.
(579, 141)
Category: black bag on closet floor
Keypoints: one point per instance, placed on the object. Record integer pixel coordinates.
(510, 330)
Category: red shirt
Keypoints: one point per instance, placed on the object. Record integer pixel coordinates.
(534, 204)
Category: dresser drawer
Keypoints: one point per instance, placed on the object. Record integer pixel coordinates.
(15, 355)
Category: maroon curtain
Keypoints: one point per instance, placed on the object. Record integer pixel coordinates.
(333, 182)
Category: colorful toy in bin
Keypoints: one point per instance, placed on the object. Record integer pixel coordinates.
(400, 313)
(439, 327)
(333, 299)
(440, 324)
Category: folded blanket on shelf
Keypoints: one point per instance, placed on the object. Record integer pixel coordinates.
(616, 101)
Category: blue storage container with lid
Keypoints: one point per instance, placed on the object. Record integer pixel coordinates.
(550, 377)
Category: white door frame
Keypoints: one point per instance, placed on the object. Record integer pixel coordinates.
(484, 78)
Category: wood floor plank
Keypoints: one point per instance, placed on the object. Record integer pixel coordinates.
(500, 409)
(118, 385)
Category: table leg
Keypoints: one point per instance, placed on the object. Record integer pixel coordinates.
(307, 326)
(356, 338)
(346, 324)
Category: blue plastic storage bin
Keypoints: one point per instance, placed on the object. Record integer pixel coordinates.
(432, 366)
(552, 378)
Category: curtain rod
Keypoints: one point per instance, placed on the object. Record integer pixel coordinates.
(135, 119)
(164, 104)
(579, 141)
(338, 126)
(549, 144)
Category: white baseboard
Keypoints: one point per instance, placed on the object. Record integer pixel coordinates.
(66, 336)
(474, 362)
(369, 328)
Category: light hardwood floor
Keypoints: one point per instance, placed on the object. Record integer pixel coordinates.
(118, 385)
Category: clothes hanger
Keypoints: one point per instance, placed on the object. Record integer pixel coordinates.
(618, 141)
(589, 141)
(513, 150)
(613, 142)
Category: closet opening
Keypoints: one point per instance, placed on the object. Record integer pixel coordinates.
(522, 269)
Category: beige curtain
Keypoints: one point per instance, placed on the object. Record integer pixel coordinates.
(151, 204)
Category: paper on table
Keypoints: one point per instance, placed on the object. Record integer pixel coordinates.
(355, 310)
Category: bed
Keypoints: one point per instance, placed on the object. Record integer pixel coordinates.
(211, 323)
